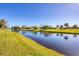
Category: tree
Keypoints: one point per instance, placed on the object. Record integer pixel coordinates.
(41, 26)
(57, 26)
(75, 26)
(35, 27)
(3, 23)
(67, 25)
(61, 26)
(46, 27)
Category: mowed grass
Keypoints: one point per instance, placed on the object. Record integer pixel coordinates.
(71, 31)
(14, 44)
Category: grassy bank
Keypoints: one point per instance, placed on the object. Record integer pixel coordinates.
(71, 31)
(14, 44)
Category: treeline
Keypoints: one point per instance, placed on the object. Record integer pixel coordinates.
(31, 27)
(65, 26)
(4, 24)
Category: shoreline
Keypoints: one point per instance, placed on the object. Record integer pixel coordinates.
(64, 31)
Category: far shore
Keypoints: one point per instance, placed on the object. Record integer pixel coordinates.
(66, 31)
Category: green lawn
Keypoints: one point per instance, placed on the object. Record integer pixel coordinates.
(70, 31)
(14, 44)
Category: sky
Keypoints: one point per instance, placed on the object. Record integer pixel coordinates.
(31, 14)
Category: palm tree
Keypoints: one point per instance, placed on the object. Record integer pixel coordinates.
(67, 25)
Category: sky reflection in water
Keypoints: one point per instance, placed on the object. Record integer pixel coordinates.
(67, 44)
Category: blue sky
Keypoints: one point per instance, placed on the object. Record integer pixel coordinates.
(36, 14)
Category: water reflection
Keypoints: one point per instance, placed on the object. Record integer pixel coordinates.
(35, 33)
(61, 34)
(16, 31)
(75, 35)
(40, 33)
(57, 34)
(66, 37)
(56, 41)
(23, 32)
(46, 34)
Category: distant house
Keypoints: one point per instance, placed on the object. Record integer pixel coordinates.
(3, 23)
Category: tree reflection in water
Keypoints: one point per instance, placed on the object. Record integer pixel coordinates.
(23, 32)
(61, 34)
(40, 33)
(16, 31)
(57, 34)
(66, 37)
(34, 33)
(46, 34)
(75, 35)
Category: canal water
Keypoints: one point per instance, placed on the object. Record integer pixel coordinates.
(67, 44)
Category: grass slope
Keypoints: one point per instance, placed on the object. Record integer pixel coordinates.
(71, 31)
(14, 44)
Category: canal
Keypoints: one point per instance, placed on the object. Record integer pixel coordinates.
(67, 44)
